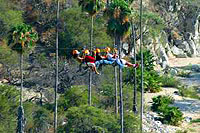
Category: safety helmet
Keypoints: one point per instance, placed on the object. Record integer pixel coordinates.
(94, 51)
(75, 52)
(107, 49)
(86, 51)
(115, 50)
(98, 50)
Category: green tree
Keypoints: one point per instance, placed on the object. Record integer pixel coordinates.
(91, 7)
(9, 16)
(76, 33)
(8, 108)
(22, 38)
(75, 96)
(118, 26)
(89, 119)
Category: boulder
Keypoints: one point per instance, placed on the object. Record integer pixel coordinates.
(163, 58)
(178, 52)
(192, 46)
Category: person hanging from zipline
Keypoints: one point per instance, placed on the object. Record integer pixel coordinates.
(121, 62)
(88, 60)
(100, 60)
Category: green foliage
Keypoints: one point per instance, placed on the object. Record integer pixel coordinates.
(9, 16)
(75, 96)
(41, 120)
(38, 119)
(107, 96)
(152, 21)
(7, 56)
(152, 81)
(148, 58)
(131, 123)
(87, 118)
(161, 102)
(118, 12)
(22, 37)
(169, 81)
(188, 92)
(8, 108)
(91, 6)
(172, 116)
(181, 131)
(195, 120)
(151, 77)
(184, 74)
(76, 32)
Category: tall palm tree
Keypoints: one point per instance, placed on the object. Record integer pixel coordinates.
(22, 39)
(92, 7)
(118, 26)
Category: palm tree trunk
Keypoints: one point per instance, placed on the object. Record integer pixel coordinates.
(21, 122)
(135, 81)
(142, 69)
(56, 80)
(118, 41)
(21, 74)
(90, 73)
(116, 94)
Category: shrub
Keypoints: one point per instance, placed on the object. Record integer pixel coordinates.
(188, 92)
(131, 123)
(169, 81)
(148, 58)
(161, 102)
(152, 82)
(75, 96)
(9, 101)
(89, 119)
(196, 120)
(172, 116)
(184, 74)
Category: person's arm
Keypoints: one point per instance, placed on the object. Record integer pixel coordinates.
(103, 57)
(80, 59)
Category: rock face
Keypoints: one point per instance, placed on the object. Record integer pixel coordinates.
(181, 35)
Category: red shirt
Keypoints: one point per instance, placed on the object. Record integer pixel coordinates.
(89, 59)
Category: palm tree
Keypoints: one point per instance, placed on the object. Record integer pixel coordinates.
(92, 7)
(118, 26)
(22, 39)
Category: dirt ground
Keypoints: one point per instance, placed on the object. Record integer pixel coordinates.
(180, 62)
(189, 107)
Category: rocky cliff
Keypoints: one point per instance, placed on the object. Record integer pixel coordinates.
(180, 36)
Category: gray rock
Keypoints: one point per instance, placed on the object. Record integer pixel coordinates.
(187, 119)
(178, 52)
(158, 123)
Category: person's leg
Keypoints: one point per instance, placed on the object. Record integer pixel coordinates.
(131, 65)
(95, 70)
(97, 63)
(120, 63)
(93, 67)
(108, 62)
